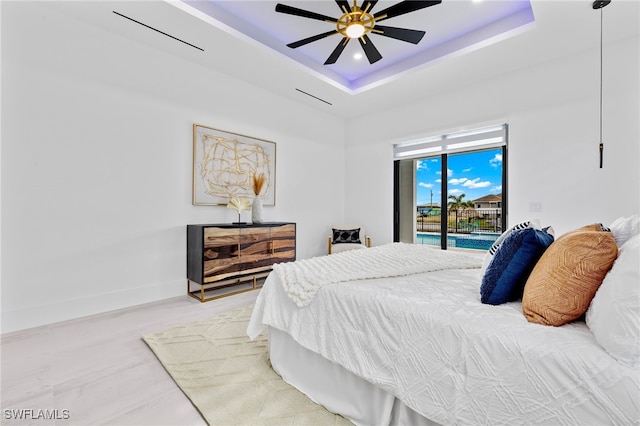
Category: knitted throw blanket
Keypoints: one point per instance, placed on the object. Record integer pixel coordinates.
(302, 279)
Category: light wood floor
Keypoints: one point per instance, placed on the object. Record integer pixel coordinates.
(99, 369)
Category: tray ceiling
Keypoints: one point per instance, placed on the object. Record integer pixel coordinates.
(452, 27)
(466, 43)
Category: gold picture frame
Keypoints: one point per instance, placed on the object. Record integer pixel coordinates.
(224, 164)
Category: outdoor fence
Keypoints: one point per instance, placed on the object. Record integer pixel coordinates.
(464, 221)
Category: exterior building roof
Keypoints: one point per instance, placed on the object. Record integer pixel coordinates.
(491, 198)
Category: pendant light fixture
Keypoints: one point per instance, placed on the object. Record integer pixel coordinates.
(600, 4)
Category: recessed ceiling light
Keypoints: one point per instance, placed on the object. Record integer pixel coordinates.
(357, 56)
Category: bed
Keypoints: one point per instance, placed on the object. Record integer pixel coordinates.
(399, 342)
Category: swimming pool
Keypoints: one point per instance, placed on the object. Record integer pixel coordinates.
(474, 240)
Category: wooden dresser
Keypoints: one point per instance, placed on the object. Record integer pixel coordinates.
(226, 259)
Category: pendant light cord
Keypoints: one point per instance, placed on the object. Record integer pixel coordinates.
(601, 146)
(599, 4)
(600, 74)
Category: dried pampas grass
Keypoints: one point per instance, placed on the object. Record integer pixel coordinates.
(258, 183)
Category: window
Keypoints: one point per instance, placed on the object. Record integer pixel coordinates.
(450, 190)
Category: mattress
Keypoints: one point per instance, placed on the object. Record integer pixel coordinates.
(427, 340)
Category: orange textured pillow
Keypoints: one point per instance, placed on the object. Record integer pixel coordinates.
(567, 276)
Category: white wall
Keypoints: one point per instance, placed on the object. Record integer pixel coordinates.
(552, 112)
(96, 158)
(97, 166)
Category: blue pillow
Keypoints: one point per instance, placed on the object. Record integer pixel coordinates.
(507, 273)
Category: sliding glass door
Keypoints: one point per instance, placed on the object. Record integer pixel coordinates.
(452, 199)
(474, 198)
(428, 187)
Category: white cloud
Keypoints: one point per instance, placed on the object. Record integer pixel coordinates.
(467, 170)
(422, 165)
(455, 191)
(496, 161)
(425, 185)
(475, 183)
(497, 188)
(458, 181)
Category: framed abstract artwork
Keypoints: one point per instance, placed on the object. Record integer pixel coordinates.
(225, 163)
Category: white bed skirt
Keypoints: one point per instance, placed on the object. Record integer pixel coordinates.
(335, 388)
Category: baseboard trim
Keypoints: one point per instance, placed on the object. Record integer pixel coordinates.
(62, 311)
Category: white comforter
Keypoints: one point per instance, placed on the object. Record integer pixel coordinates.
(301, 280)
(428, 340)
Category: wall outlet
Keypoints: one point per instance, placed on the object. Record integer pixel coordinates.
(535, 207)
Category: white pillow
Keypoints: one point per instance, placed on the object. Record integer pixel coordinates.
(614, 314)
(624, 228)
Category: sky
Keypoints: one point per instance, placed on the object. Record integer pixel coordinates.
(474, 174)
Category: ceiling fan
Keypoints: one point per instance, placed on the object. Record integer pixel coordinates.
(357, 22)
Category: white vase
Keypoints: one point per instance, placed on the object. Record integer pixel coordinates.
(256, 210)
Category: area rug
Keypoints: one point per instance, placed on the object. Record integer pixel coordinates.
(229, 378)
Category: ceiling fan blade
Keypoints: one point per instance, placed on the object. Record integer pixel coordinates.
(367, 5)
(344, 6)
(404, 34)
(283, 8)
(404, 7)
(337, 51)
(369, 49)
(307, 40)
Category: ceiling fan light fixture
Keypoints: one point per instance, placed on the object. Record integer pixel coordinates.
(357, 22)
(355, 30)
